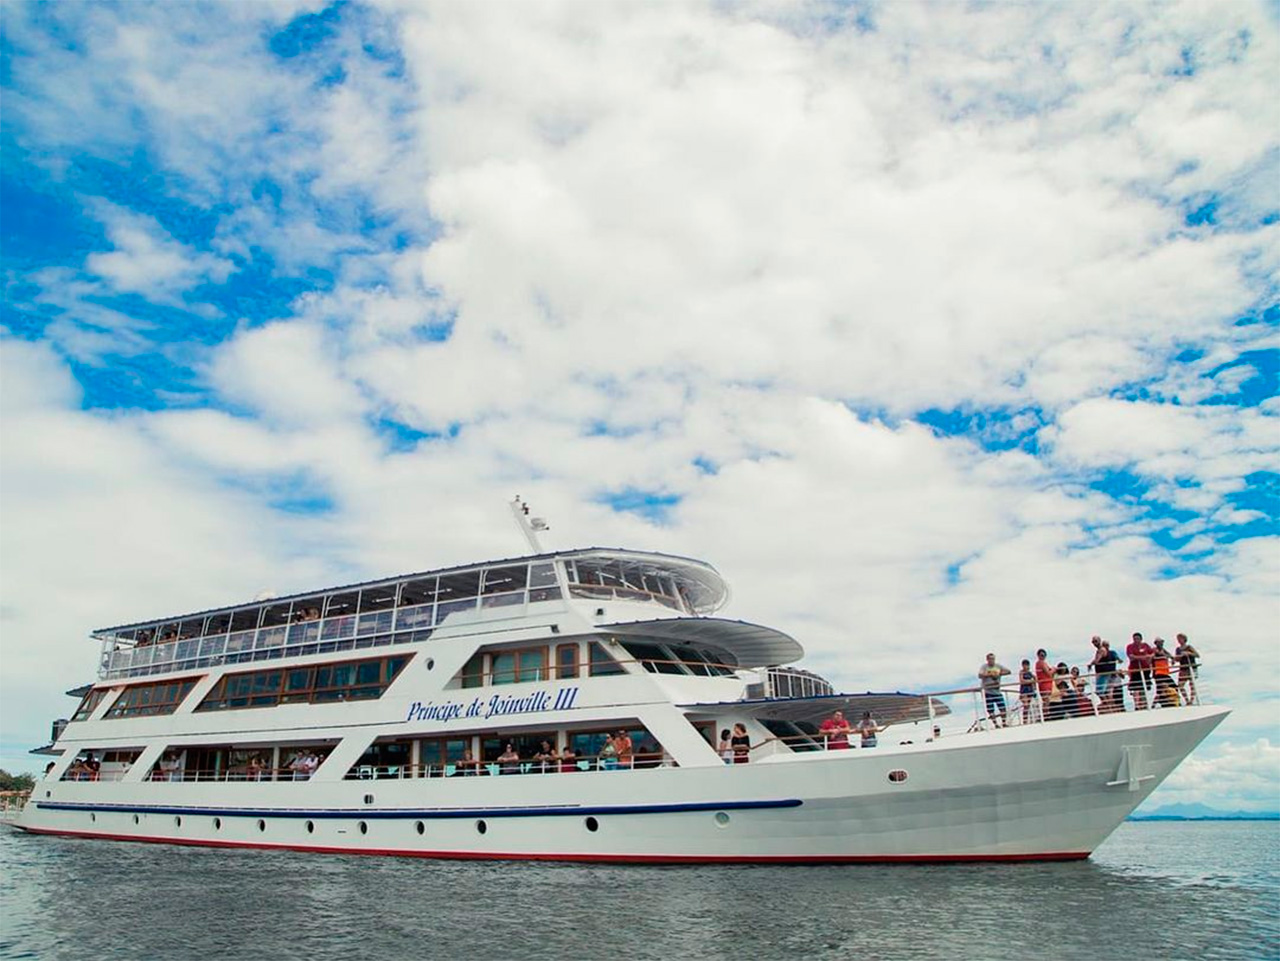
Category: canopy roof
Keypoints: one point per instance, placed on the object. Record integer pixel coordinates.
(703, 588)
(888, 708)
(739, 643)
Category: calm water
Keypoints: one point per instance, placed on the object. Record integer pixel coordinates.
(1154, 890)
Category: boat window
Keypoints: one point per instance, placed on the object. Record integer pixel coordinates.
(716, 664)
(146, 699)
(89, 702)
(340, 604)
(374, 622)
(307, 609)
(349, 680)
(381, 598)
(654, 658)
(168, 632)
(297, 685)
(439, 751)
(275, 614)
(503, 667)
(459, 585)
(245, 620)
(567, 660)
(526, 744)
(543, 585)
(502, 580)
(217, 624)
(793, 735)
(602, 663)
(473, 671)
(192, 627)
(692, 659)
(418, 592)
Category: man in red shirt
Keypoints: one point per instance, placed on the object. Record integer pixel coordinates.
(1139, 653)
(836, 730)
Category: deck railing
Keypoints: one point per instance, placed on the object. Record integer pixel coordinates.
(970, 707)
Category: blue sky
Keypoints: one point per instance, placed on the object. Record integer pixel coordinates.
(933, 328)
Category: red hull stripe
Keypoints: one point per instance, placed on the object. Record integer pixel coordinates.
(601, 858)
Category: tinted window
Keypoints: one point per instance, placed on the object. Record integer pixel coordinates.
(378, 598)
(465, 584)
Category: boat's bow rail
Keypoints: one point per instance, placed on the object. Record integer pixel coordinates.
(798, 723)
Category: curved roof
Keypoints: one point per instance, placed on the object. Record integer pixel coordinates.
(746, 645)
(705, 590)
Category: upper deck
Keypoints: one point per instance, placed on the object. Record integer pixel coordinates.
(409, 607)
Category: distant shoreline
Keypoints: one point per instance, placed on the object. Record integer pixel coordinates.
(1220, 817)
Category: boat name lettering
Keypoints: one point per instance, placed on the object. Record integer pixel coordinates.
(496, 706)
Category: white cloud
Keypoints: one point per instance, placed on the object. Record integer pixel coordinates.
(147, 260)
(1243, 774)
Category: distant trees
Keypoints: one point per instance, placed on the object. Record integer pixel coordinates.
(16, 782)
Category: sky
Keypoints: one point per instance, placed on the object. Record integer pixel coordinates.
(938, 329)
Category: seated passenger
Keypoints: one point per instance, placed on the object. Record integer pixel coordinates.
(608, 754)
(622, 743)
(868, 729)
(546, 758)
(568, 758)
(468, 766)
(650, 754)
(509, 761)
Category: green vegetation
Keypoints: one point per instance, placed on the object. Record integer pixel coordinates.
(16, 782)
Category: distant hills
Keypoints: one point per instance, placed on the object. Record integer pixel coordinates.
(1201, 812)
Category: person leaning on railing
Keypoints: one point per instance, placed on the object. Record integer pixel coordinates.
(1188, 663)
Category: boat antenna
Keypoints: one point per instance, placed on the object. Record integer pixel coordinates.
(529, 526)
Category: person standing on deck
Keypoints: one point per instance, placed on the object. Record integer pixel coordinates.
(868, 729)
(989, 674)
(836, 730)
(1139, 653)
(1188, 661)
(1044, 679)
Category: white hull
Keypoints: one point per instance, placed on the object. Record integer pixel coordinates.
(1043, 791)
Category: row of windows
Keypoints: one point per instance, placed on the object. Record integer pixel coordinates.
(345, 681)
(676, 659)
(527, 664)
(88, 703)
(162, 697)
(372, 609)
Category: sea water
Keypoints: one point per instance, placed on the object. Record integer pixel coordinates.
(1184, 890)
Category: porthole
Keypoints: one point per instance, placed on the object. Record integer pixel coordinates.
(422, 828)
(217, 824)
(481, 827)
(311, 827)
(897, 776)
(177, 820)
(430, 663)
(135, 819)
(368, 799)
(722, 819)
(262, 825)
(92, 816)
(592, 824)
(364, 828)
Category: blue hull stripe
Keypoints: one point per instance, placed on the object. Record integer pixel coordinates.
(374, 814)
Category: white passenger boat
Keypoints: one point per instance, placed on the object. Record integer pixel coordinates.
(473, 712)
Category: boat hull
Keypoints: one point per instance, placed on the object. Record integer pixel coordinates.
(1042, 792)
